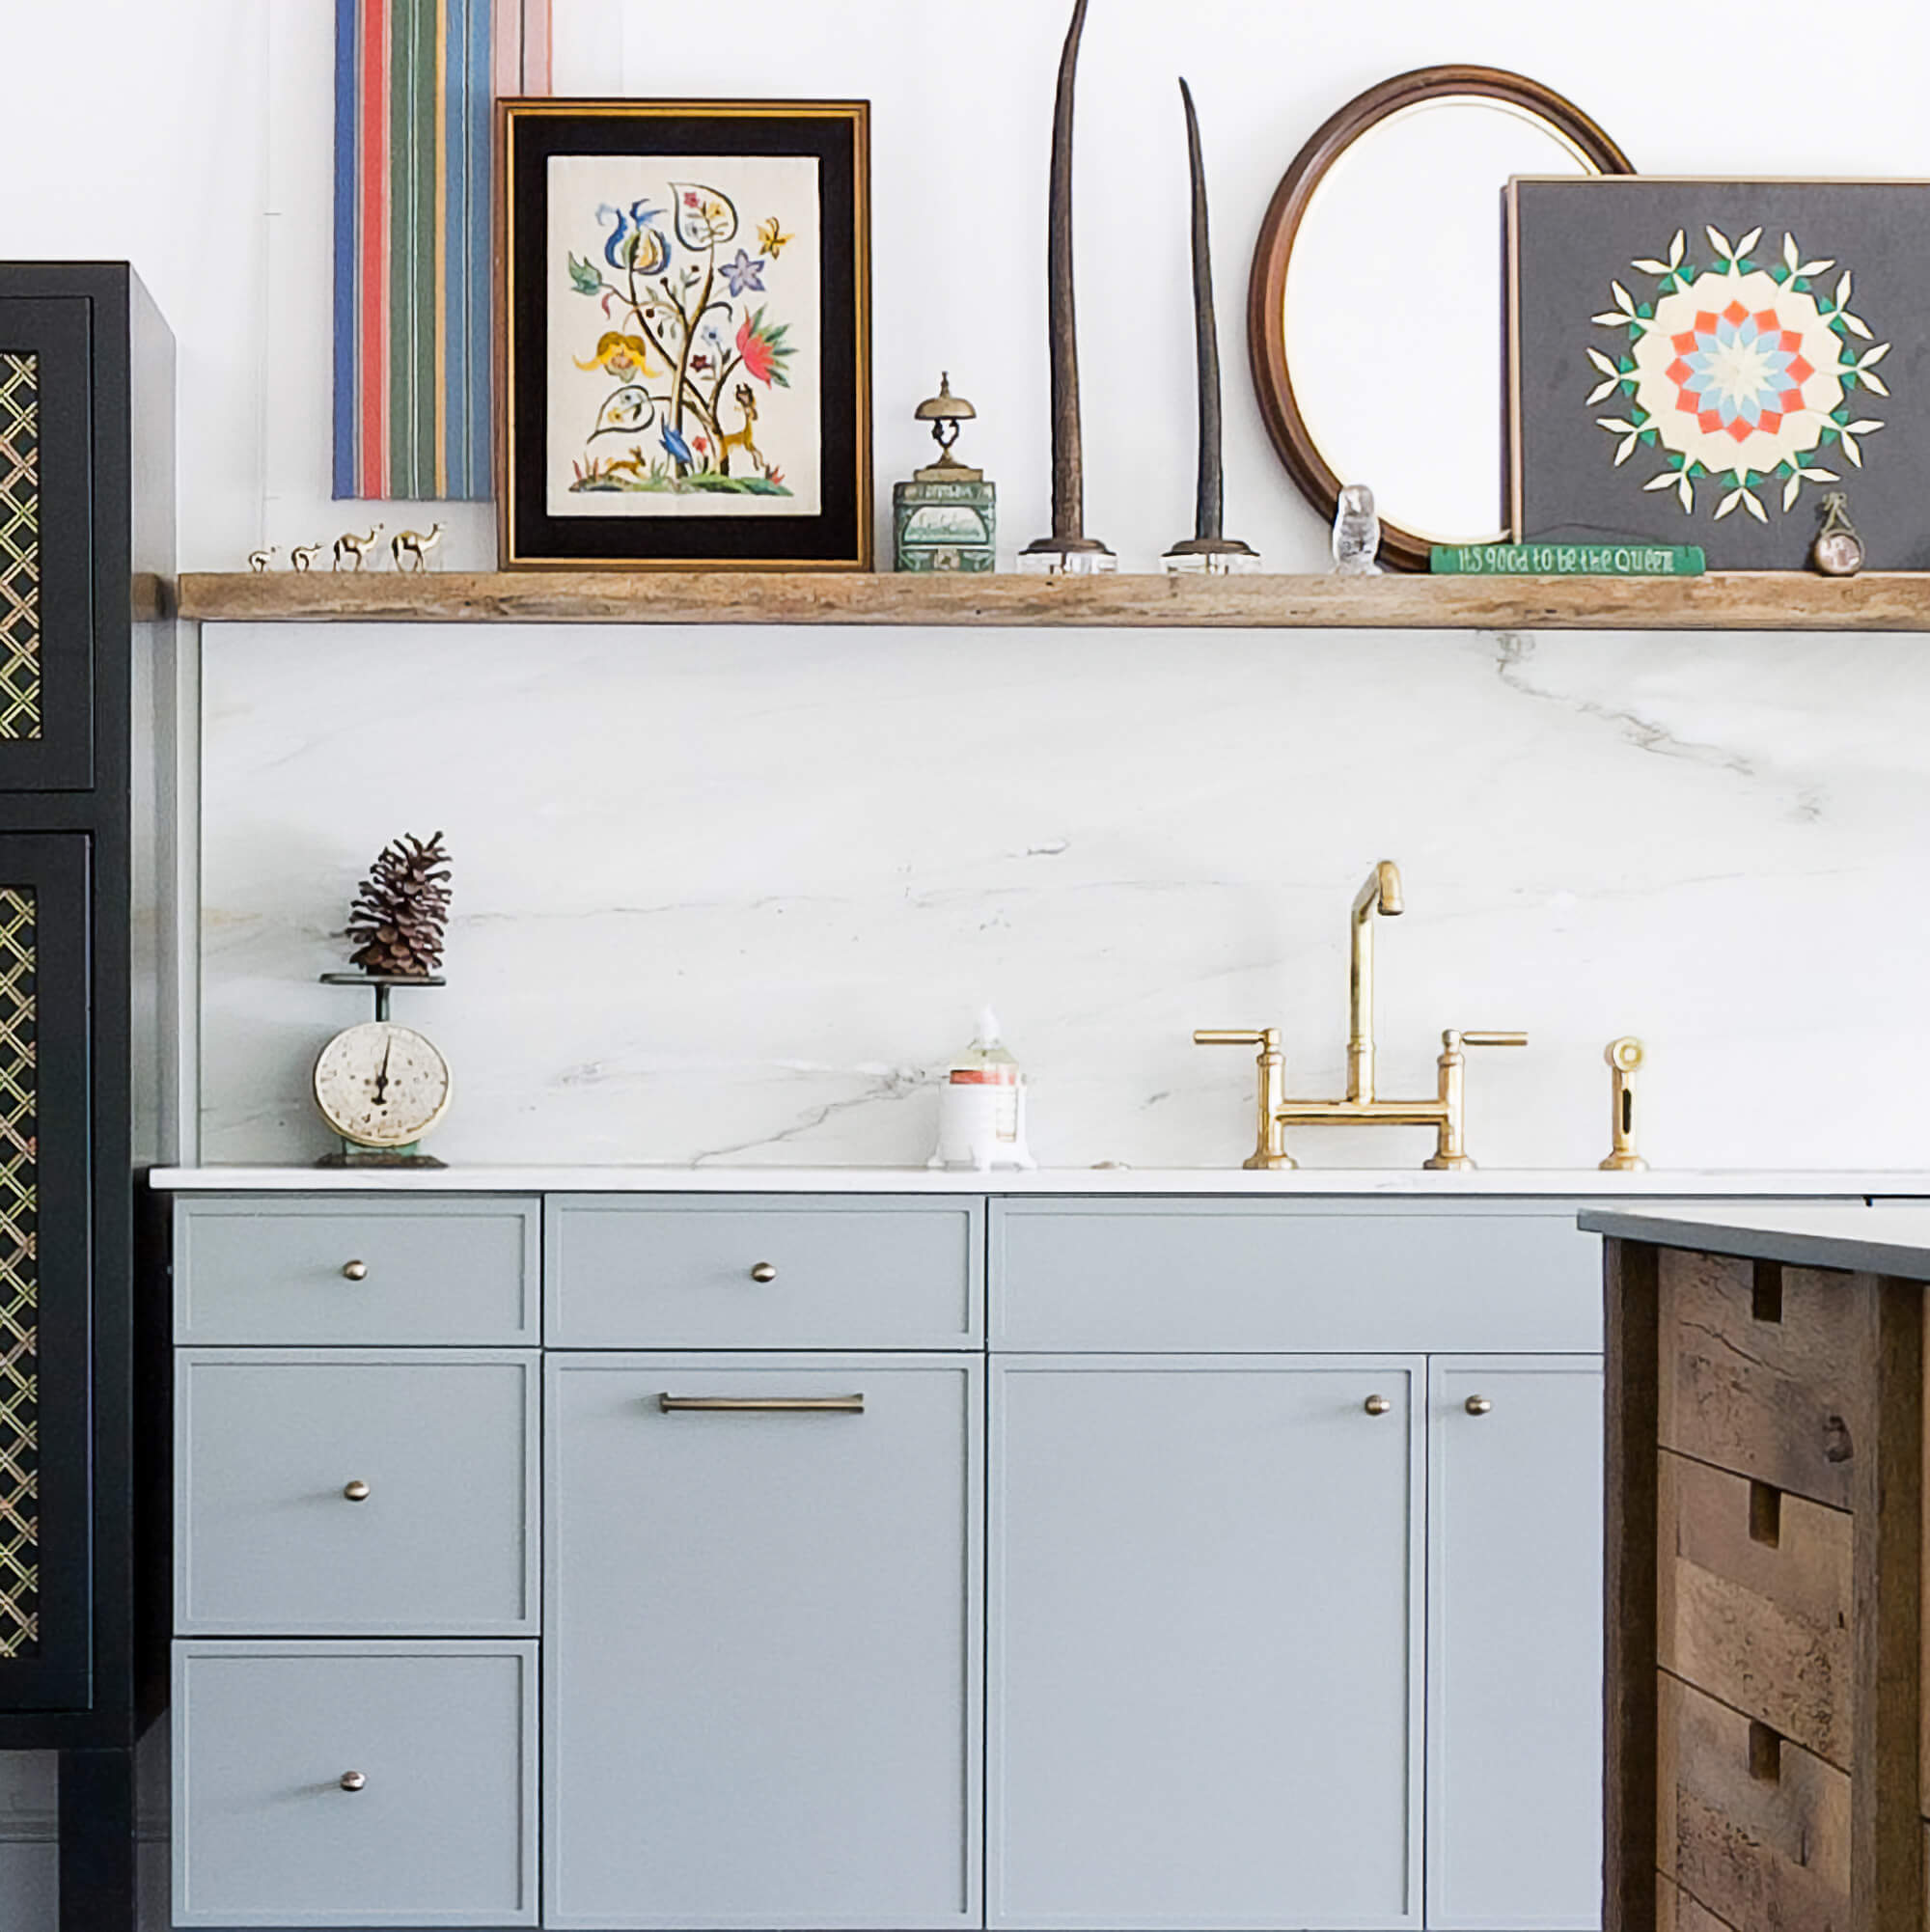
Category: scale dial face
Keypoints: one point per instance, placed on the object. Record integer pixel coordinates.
(379, 1085)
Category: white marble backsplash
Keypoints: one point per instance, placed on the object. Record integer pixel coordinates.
(733, 896)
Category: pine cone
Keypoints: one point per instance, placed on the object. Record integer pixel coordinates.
(401, 910)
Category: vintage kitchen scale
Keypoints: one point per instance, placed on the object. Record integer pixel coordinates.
(380, 1086)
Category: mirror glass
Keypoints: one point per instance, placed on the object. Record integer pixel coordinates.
(1392, 309)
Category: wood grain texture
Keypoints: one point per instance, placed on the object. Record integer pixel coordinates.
(1629, 1740)
(1676, 1912)
(1780, 1400)
(1764, 601)
(1764, 1627)
(1923, 1634)
(1887, 1317)
(1769, 1853)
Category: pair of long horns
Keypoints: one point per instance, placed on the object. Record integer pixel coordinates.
(1069, 478)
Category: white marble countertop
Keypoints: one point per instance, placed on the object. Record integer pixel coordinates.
(1884, 1239)
(1550, 1183)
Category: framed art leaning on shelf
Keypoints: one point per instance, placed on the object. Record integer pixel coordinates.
(1713, 361)
(685, 335)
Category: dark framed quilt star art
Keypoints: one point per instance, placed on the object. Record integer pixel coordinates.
(685, 335)
(1706, 361)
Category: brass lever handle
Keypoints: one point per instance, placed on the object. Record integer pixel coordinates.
(1494, 1039)
(1269, 1140)
(764, 1406)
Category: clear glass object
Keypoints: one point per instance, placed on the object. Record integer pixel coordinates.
(1213, 562)
(1067, 563)
(1356, 533)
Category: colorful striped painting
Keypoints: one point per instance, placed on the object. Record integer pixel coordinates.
(415, 87)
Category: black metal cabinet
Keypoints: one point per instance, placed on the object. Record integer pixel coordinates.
(86, 517)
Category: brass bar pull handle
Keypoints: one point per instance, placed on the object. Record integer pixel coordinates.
(764, 1406)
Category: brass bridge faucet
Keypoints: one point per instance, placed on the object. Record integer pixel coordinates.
(1446, 1113)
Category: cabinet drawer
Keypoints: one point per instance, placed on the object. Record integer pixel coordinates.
(1755, 1602)
(440, 1535)
(1154, 1277)
(254, 1269)
(1760, 1372)
(694, 1272)
(442, 1830)
(1751, 1827)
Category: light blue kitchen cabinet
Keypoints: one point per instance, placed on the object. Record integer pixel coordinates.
(762, 1648)
(1205, 1631)
(355, 1784)
(356, 1492)
(1514, 1644)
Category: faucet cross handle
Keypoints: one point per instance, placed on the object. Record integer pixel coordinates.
(1270, 1140)
(1450, 1149)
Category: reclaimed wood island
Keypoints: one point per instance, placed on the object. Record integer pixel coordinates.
(1765, 1637)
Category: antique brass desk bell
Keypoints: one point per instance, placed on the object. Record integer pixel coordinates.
(946, 518)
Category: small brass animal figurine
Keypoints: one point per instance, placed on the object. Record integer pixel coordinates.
(257, 560)
(410, 548)
(354, 548)
(303, 555)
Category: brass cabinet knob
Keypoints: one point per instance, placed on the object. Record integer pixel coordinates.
(352, 1781)
(355, 1271)
(763, 1271)
(1477, 1405)
(356, 1491)
(1377, 1405)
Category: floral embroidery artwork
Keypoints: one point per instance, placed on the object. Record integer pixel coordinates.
(684, 328)
(1749, 374)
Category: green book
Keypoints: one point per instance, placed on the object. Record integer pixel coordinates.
(1568, 560)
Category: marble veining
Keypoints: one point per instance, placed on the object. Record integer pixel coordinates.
(731, 897)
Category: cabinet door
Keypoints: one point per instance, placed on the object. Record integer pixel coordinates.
(1514, 1668)
(1204, 1648)
(45, 1560)
(761, 1642)
(47, 548)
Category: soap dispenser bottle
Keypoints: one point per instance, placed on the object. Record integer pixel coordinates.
(982, 1111)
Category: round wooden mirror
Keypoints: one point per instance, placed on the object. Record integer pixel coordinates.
(1374, 312)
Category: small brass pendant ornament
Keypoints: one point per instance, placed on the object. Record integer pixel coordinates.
(1837, 551)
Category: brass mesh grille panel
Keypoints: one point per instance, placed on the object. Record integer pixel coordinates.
(20, 547)
(19, 1283)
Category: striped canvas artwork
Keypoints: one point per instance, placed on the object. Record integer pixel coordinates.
(415, 87)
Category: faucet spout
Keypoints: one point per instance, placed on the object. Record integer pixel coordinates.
(1380, 893)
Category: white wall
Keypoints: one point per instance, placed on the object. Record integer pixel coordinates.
(718, 888)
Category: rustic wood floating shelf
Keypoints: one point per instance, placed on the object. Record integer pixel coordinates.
(1760, 601)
